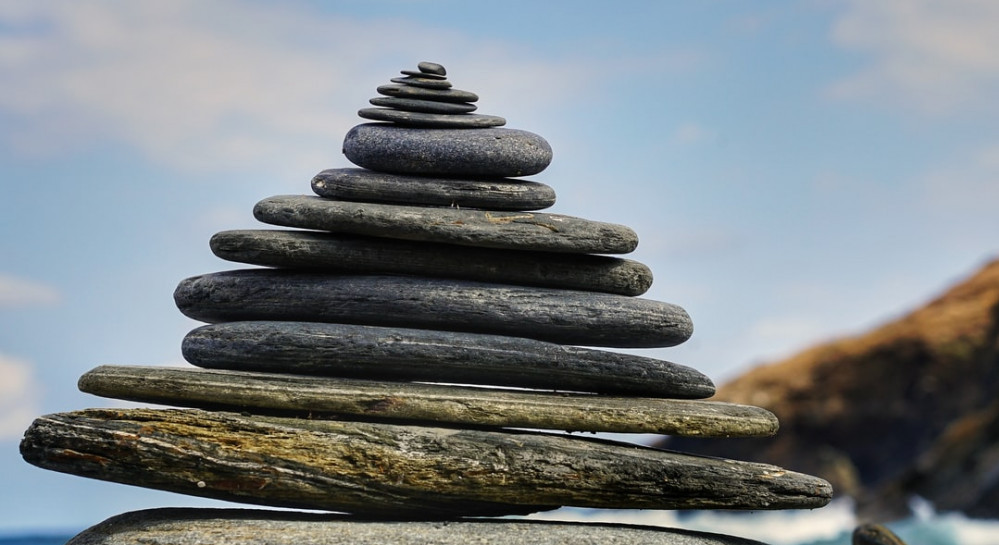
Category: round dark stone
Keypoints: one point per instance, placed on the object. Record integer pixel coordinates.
(424, 106)
(431, 68)
(441, 95)
(443, 121)
(486, 153)
(418, 74)
(427, 83)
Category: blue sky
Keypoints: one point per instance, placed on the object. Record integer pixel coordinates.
(796, 171)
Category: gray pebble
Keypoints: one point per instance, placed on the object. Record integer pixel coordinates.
(443, 121)
(418, 74)
(426, 83)
(424, 106)
(431, 68)
(443, 95)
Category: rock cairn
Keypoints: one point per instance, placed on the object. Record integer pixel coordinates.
(326, 379)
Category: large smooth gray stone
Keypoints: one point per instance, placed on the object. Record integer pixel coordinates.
(399, 471)
(358, 184)
(440, 121)
(192, 526)
(373, 255)
(481, 228)
(299, 395)
(560, 316)
(488, 153)
(391, 353)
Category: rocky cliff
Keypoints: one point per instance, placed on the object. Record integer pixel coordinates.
(909, 408)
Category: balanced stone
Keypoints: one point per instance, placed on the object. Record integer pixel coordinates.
(441, 95)
(559, 316)
(486, 153)
(358, 184)
(418, 74)
(372, 255)
(400, 471)
(420, 81)
(198, 526)
(297, 395)
(396, 353)
(875, 534)
(431, 68)
(425, 106)
(484, 229)
(444, 121)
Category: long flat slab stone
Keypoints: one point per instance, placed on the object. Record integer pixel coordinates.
(194, 526)
(388, 470)
(395, 353)
(358, 184)
(359, 254)
(559, 316)
(481, 228)
(299, 395)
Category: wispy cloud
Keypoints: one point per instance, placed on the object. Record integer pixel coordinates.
(19, 397)
(933, 57)
(22, 292)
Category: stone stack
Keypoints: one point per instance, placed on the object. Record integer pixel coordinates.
(328, 380)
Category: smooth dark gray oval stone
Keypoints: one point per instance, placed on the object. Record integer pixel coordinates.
(444, 121)
(418, 74)
(363, 185)
(432, 68)
(414, 403)
(559, 316)
(373, 255)
(483, 153)
(201, 526)
(400, 471)
(464, 227)
(442, 95)
(426, 83)
(425, 106)
(395, 353)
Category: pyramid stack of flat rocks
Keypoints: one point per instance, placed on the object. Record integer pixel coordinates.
(392, 346)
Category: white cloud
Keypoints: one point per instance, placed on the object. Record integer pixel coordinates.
(21, 292)
(222, 84)
(19, 397)
(934, 57)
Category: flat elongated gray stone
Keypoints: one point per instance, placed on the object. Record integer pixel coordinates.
(426, 106)
(560, 316)
(425, 82)
(372, 255)
(358, 184)
(400, 471)
(391, 353)
(191, 526)
(442, 95)
(481, 228)
(444, 121)
(488, 153)
(298, 395)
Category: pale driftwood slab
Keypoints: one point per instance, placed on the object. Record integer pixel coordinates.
(560, 316)
(482, 228)
(301, 395)
(395, 353)
(192, 526)
(374, 255)
(389, 470)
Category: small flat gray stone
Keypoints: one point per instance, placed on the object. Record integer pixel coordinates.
(464, 227)
(482, 153)
(442, 95)
(396, 353)
(401, 471)
(415, 403)
(431, 68)
(417, 73)
(193, 526)
(425, 106)
(444, 121)
(559, 316)
(373, 255)
(426, 83)
(363, 185)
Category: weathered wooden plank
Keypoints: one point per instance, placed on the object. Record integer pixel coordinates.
(393, 353)
(389, 470)
(560, 316)
(300, 395)
(464, 227)
(374, 255)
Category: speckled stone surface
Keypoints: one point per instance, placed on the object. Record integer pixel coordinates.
(418, 119)
(495, 152)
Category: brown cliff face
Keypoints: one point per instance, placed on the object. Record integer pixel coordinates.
(869, 413)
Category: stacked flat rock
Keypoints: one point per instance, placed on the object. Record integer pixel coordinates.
(327, 378)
